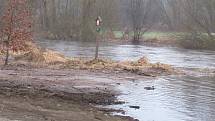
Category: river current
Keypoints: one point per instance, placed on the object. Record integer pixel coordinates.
(189, 97)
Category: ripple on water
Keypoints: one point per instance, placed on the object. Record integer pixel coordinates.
(174, 99)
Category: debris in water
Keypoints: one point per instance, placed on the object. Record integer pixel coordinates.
(118, 83)
(149, 88)
(135, 107)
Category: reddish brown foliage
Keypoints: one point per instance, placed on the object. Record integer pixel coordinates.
(17, 24)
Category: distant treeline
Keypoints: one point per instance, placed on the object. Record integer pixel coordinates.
(75, 19)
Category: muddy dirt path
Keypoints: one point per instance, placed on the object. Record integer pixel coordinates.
(42, 94)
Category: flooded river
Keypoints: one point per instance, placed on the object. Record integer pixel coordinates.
(175, 98)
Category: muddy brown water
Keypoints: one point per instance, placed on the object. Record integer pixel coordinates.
(189, 97)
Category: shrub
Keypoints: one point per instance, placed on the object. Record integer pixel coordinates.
(197, 40)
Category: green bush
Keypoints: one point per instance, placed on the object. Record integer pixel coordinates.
(197, 40)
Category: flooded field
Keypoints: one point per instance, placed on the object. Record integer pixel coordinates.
(175, 98)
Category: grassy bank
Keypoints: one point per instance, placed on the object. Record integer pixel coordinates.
(150, 35)
(179, 39)
(158, 38)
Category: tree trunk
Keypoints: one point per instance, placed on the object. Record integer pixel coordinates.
(7, 54)
(136, 38)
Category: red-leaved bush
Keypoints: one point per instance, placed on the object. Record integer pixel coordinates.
(17, 27)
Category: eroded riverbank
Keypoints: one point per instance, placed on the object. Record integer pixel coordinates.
(41, 94)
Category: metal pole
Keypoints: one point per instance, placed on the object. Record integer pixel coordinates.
(97, 47)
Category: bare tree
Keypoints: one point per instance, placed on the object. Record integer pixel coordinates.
(201, 14)
(143, 15)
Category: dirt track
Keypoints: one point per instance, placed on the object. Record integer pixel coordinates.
(42, 94)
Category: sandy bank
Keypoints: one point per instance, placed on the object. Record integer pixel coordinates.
(42, 94)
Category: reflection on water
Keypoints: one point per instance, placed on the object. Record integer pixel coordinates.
(174, 56)
(176, 98)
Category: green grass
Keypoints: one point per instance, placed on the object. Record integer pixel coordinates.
(151, 35)
(118, 34)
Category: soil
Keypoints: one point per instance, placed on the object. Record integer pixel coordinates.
(46, 94)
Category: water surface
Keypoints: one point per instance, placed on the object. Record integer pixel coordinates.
(176, 98)
(169, 55)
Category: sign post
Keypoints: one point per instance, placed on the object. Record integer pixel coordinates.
(98, 30)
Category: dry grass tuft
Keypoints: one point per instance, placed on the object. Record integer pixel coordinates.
(140, 67)
(38, 55)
